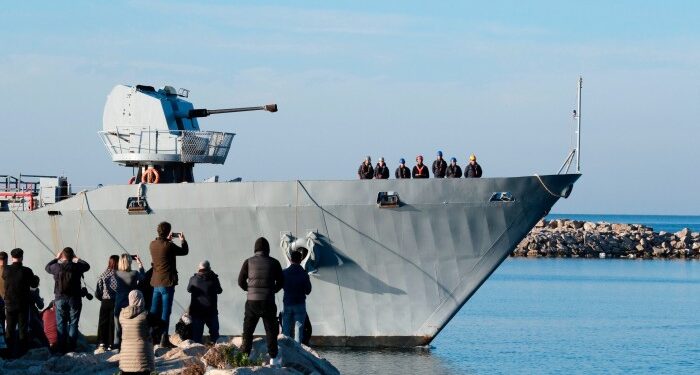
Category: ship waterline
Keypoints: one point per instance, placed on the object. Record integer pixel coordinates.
(385, 276)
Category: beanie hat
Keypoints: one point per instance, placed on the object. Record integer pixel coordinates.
(402, 161)
(439, 153)
(454, 160)
(261, 245)
(204, 265)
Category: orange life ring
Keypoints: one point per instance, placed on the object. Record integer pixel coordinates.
(150, 176)
(132, 180)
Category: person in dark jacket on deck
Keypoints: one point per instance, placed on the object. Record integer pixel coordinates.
(473, 169)
(261, 276)
(67, 270)
(454, 170)
(366, 172)
(204, 288)
(18, 297)
(164, 279)
(381, 172)
(420, 170)
(402, 171)
(297, 286)
(439, 166)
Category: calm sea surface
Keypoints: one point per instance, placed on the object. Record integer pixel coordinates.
(552, 316)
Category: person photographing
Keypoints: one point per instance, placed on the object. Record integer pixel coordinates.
(164, 254)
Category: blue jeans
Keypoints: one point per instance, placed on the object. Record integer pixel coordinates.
(67, 317)
(163, 297)
(212, 322)
(293, 317)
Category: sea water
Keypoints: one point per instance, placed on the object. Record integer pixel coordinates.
(559, 316)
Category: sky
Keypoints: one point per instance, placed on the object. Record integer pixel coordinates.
(391, 78)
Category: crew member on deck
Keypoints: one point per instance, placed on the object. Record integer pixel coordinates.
(473, 169)
(402, 171)
(381, 172)
(366, 172)
(439, 166)
(420, 170)
(454, 170)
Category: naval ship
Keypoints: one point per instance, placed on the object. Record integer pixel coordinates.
(391, 261)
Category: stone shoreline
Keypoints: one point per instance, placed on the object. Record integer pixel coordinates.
(580, 239)
(187, 358)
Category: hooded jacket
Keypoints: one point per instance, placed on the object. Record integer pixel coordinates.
(204, 288)
(261, 275)
(366, 172)
(136, 351)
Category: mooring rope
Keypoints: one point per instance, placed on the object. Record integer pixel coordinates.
(546, 188)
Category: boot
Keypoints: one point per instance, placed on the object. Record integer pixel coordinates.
(164, 336)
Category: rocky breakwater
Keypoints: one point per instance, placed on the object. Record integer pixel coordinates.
(573, 238)
(188, 358)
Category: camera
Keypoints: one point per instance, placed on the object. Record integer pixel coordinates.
(85, 294)
(134, 257)
(176, 234)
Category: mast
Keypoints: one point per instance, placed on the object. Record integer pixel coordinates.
(578, 125)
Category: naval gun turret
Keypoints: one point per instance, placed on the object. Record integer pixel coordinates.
(157, 132)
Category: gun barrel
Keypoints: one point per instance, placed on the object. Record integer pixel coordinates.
(202, 112)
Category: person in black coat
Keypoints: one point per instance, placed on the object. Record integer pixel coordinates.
(473, 169)
(420, 170)
(18, 298)
(366, 172)
(297, 286)
(204, 288)
(402, 171)
(454, 170)
(381, 172)
(67, 270)
(261, 276)
(439, 166)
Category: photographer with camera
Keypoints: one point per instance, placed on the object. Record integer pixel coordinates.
(67, 270)
(163, 254)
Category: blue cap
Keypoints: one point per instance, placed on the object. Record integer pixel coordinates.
(439, 153)
(454, 160)
(402, 161)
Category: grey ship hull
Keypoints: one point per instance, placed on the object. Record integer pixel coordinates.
(386, 277)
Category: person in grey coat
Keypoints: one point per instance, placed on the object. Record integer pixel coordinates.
(127, 280)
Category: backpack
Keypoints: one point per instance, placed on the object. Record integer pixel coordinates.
(64, 281)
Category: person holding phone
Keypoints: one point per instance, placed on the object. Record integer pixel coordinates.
(127, 280)
(164, 279)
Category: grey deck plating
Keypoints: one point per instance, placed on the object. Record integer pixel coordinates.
(387, 276)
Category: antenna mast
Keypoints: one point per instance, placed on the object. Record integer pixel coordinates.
(576, 152)
(578, 125)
